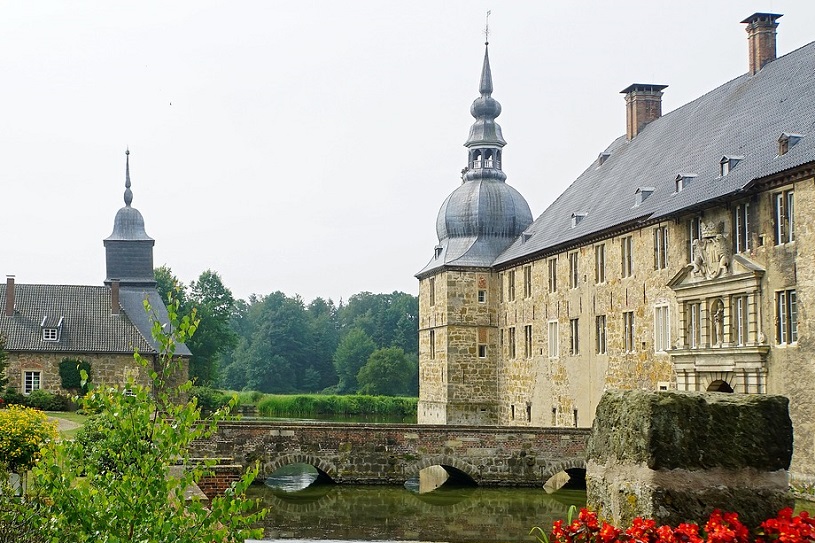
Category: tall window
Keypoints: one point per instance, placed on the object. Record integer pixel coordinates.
(552, 264)
(662, 329)
(694, 233)
(482, 351)
(627, 249)
(482, 296)
(741, 227)
(739, 328)
(574, 337)
(527, 281)
(600, 263)
(694, 324)
(432, 288)
(528, 341)
(432, 344)
(628, 331)
(786, 328)
(553, 339)
(574, 274)
(32, 380)
(784, 213)
(661, 248)
(511, 286)
(600, 334)
(511, 340)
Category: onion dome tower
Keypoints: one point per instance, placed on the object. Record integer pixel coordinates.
(484, 215)
(129, 250)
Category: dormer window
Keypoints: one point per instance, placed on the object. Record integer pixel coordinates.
(437, 251)
(577, 218)
(50, 334)
(525, 236)
(683, 180)
(727, 163)
(603, 157)
(642, 194)
(50, 331)
(786, 141)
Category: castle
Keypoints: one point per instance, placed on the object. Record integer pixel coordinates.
(682, 258)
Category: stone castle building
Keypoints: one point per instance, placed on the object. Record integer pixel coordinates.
(682, 258)
(42, 325)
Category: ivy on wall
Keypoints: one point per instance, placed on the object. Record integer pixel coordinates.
(69, 372)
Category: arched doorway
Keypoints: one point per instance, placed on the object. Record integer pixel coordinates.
(719, 386)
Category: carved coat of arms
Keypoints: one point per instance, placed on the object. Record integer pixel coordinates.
(711, 253)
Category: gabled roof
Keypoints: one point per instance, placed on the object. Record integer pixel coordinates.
(743, 117)
(87, 324)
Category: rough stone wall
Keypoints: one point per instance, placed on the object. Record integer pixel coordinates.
(643, 458)
(391, 454)
(112, 369)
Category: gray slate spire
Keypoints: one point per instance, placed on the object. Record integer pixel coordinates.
(129, 250)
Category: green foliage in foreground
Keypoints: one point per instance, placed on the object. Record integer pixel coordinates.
(313, 404)
(123, 485)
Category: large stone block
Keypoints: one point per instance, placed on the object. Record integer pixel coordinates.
(676, 456)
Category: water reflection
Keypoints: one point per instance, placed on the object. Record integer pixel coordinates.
(378, 513)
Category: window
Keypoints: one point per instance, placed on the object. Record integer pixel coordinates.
(482, 351)
(552, 263)
(600, 263)
(511, 340)
(511, 286)
(784, 231)
(527, 281)
(574, 278)
(553, 339)
(739, 328)
(662, 329)
(661, 248)
(627, 247)
(432, 287)
(482, 296)
(741, 227)
(50, 334)
(528, 341)
(786, 317)
(574, 337)
(32, 380)
(600, 333)
(694, 233)
(694, 324)
(432, 344)
(628, 331)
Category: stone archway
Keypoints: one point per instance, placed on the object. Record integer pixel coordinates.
(567, 466)
(719, 386)
(326, 470)
(455, 468)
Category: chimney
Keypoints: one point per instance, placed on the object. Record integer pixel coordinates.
(9, 296)
(643, 104)
(761, 39)
(114, 297)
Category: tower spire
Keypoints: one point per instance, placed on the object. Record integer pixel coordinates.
(128, 192)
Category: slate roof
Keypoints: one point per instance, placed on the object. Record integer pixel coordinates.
(87, 323)
(744, 117)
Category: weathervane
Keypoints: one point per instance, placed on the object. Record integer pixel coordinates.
(487, 29)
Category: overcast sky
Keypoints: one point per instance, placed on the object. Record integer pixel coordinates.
(307, 146)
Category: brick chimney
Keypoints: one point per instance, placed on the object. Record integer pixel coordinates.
(9, 296)
(761, 39)
(114, 296)
(643, 104)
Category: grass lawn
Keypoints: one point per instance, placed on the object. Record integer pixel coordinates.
(73, 422)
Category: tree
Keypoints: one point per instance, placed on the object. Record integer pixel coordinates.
(351, 354)
(3, 364)
(387, 372)
(168, 285)
(214, 304)
(120, 489)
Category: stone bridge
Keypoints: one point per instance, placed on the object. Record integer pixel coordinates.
(391, 454)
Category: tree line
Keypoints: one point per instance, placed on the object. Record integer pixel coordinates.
(279, 344)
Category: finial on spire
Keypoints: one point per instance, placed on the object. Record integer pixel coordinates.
(487, 29)
(128, 192)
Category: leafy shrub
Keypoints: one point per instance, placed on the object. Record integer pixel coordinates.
(70, 372)
(12, 397)
(48, 401)
(20, 521)
(23, 432)
(281, 405)
(209, 399)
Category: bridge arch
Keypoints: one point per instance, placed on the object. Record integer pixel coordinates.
(324, 469)
(472, 472)
(565, 465)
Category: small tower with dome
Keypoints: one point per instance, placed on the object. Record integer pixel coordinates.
(458, 290)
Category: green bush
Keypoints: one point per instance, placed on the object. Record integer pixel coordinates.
(209, 399)
(281, 405)
(69, 372)
(12, 397)
(48, 401)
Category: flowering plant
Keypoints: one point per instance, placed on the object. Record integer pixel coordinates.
(720, 528)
